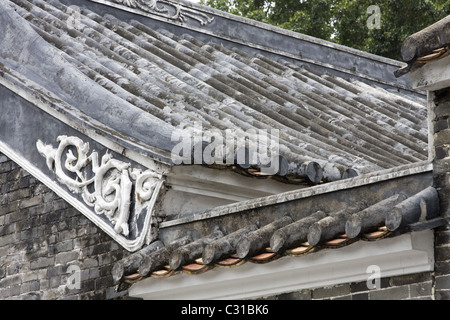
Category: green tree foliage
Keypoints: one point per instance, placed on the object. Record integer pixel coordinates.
(344, 21)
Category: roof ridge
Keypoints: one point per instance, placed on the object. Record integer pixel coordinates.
(256, 41)
(362, 180)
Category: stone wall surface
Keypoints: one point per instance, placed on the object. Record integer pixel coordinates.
(49, 250)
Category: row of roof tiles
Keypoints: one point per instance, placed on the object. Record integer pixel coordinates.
(262, 244)
(427, 45)
(337, 127)
(198, 266)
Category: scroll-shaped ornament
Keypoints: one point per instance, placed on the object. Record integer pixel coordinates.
(106, 186)
(168, 9)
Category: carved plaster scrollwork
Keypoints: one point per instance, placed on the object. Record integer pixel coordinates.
(107, 187)
(168, 10)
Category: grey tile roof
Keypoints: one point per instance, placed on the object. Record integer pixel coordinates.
(391, 216)
(159, 80)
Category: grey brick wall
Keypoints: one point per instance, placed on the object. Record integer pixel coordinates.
(440, 116)
(42, 236)
(442, 263)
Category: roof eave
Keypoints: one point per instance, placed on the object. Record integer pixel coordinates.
(362, 261)
(276, 42)
(366, 180)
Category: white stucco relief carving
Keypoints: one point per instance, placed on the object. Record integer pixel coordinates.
(105, 185)
(167, 9)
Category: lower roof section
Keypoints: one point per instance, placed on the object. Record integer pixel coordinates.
(303, 224)
(413, 177)
(361, 261)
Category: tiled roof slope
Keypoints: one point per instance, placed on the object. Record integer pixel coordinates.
(261, 244)
(160, 81)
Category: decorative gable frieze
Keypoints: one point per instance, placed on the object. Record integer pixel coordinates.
(166, 9)
(115, 191)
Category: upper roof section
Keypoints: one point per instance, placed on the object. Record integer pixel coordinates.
(135, 72)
